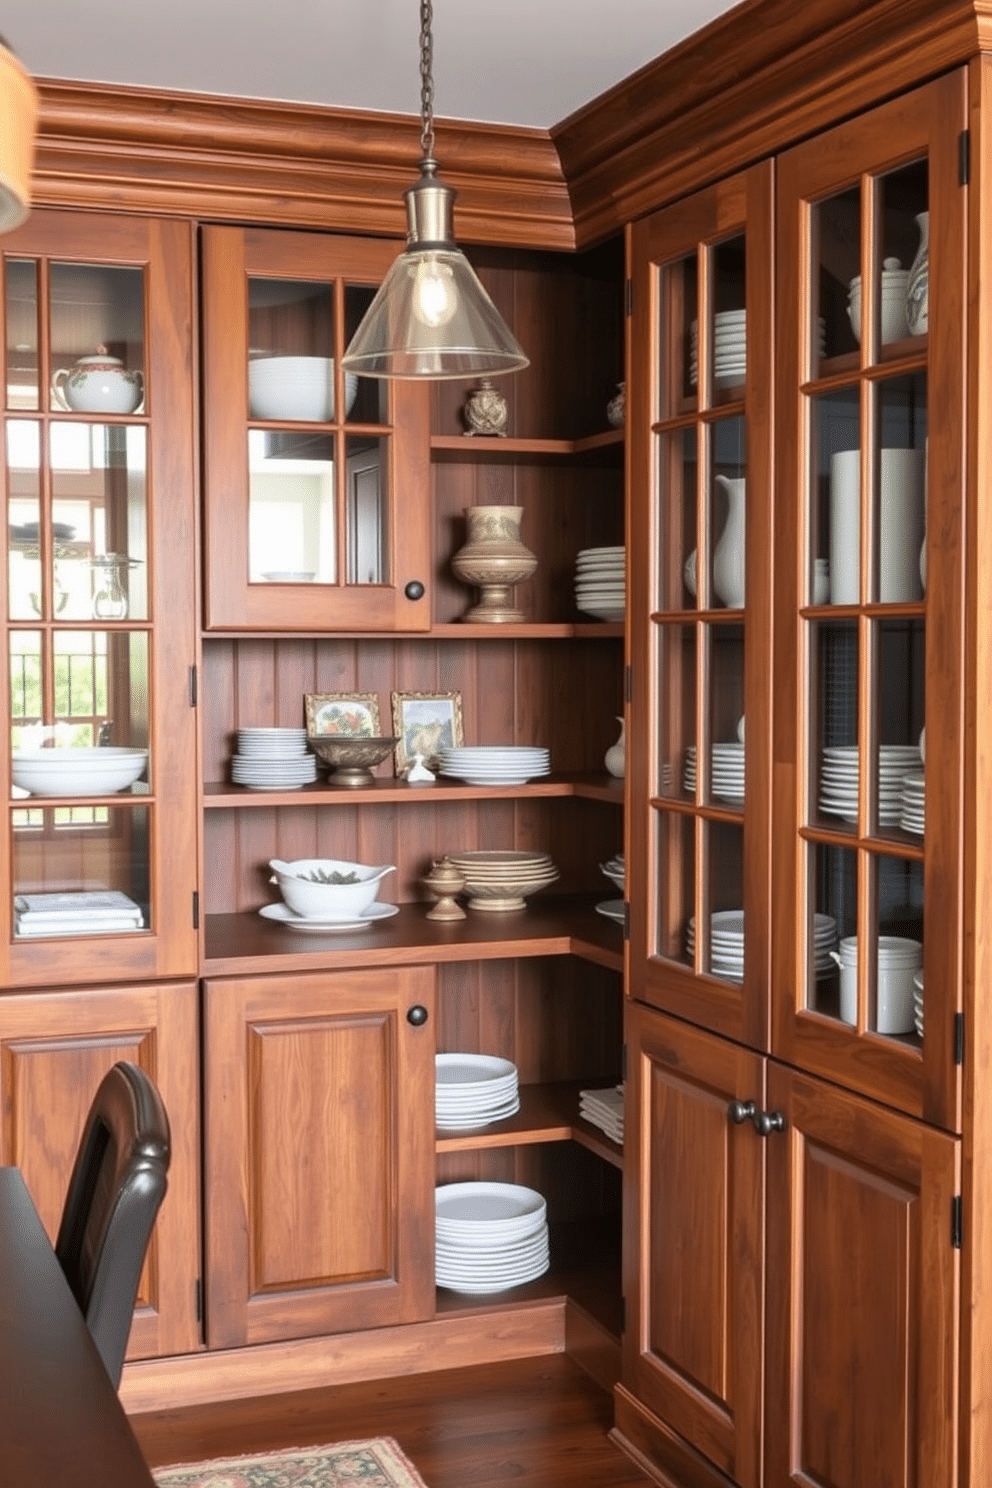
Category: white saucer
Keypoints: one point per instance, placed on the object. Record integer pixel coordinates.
(283, 915)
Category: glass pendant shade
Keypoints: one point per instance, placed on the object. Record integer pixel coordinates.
(18, 116)
(431, 316)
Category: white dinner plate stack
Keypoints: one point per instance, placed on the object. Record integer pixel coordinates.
(604, 1108)
(726, 771)
(489, 1236)
(727, 943)
(473, 1090)
(273, 759)
(839, 781)
(729, 348)
(913, 794)
(600, 587)
(918, 1002)
(494, 764)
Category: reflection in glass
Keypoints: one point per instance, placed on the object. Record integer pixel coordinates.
(371, 402)
(21, 299)
(834, 768)
(832, 916)
(677, 353)
(25, 598)
(725, 897)
(367, 478)
(836, 236)
(676, 877)
(835, 495)
(92, 689)
(93, 847)
(677, 720)
(677, 481)
(726, 714)
(292, 507)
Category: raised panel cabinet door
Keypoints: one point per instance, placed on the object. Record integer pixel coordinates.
(319, 1141)
(693, 1235)
(55, 1048)
(863, 1293)
(699, 756)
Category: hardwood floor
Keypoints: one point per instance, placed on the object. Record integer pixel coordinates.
(533, 1423)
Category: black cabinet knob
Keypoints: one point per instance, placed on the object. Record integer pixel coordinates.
(741, 1111)
(417, 1015)
(414, 590)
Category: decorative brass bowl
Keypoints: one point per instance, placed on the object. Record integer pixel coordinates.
(350, 756)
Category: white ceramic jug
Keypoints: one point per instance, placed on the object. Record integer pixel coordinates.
(728, 556)
(616, 756)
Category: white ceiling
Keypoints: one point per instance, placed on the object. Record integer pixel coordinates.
(525, 62)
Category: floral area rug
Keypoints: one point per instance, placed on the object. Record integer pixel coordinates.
(378, 1463)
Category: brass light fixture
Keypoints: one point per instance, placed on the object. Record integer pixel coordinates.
(18, 117)
(431, 316)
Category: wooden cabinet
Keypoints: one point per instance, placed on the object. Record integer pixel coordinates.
(55, 1047)
(794, 1168)
(100, 598)
(319, 1136)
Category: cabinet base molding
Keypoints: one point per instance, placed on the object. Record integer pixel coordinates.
(657, 1450)
(453, 1341)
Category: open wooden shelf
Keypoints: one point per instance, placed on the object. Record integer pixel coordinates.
(475, 447)
(548, 1113)
(387, 792)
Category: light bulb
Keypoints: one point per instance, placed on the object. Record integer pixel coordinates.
(435, 297)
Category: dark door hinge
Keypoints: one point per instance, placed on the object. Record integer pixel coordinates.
(192, 687)
(196, 909)
(959, 1038)
(628, 684)
(628, 296)
(198, 1299)
(964, 157)
(957, 1222)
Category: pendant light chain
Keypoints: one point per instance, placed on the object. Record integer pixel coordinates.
(426, 81)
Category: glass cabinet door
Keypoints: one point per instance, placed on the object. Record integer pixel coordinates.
(871, 414)
(701, 616)
(317, 482)
(98, 473)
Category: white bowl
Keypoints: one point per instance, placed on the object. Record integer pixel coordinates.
(296, 388)
(70, 771)
(327, 900)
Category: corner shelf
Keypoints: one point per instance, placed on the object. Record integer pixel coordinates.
(472, 447)
(593, 786)
(548, 1113)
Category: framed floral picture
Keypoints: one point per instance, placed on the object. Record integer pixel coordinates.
(355, 713)
(424, 723)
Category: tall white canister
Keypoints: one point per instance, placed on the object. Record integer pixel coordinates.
(901, 525)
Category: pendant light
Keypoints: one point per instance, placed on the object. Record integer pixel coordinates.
(431, 316)
(18, 116)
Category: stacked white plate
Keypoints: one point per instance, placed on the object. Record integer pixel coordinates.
(616, 870)
(613, 909)
(918, 1002)
(489, 1236)
(604, 1108)
(726, 771)
(839, 781)
(913, 794)
(501, 880)
(494, 764)
(473, 1090)
(600, 587)
(729, 348)
(273, 759)
(727, 943)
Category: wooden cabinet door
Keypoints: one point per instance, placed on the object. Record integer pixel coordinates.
(693, 1236)
(317, 510)
(863, 1293)
(55, 1047)
(319, 1141)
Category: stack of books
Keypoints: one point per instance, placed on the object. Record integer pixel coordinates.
(604, 1108)
(88, 912)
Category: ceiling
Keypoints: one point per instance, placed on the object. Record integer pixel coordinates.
(523, 62)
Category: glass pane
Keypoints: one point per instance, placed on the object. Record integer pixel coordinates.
(676, 773)
(678, 351)
(367, 507)
(725, 883)
(832, 916)
(25, 597)
(728, 343)
(902, 274)
(21, 292)
(676, 505)
(97, 312)
(99, 521)
(835, 238)
(368, 400)
(676, 859)
(76, 851)
(727, 512)
(835, 495)
(92, 690)
(292, 508)
(726, 714)
(898, 959)
(291, 371)
(833, 712)
(899, 511)
(900, 674)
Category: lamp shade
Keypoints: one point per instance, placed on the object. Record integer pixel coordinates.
(18, 117)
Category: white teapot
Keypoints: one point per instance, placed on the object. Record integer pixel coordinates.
(98, 384)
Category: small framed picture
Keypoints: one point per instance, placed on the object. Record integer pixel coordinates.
(354, 713)
(424, 723)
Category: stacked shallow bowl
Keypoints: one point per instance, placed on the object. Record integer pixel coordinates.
(918, 1002)
(913, 802)
(729, 348)
(727, 943)
(473, 1090)
(839, 780)
(499, 881)
(273, 759)
(726, 771)
(600, 586)
(495, 764)
(489, 1236)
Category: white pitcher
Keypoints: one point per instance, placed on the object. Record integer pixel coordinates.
(728, 556)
